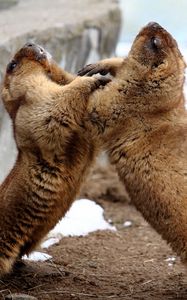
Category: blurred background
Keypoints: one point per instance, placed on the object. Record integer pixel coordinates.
(77, 32)
(171, 14)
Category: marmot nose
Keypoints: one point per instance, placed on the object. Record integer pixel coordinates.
(30, 45)
(154, 25)
(34, 47)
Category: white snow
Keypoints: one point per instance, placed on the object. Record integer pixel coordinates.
(171, 261)
(170, 265)
(37, 256)
(84, 216)
(49, 242)
(127, 223)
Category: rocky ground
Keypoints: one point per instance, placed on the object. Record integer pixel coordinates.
(131, 263)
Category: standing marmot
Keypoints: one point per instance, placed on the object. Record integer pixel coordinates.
(54, 152)
(150, 147)
(141, 119)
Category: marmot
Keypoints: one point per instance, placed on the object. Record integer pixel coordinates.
(141, 119)
(150, 147)
(54, 152)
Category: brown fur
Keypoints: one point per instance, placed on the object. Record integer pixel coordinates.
(141, 119)
(54, 150)
(149, 148)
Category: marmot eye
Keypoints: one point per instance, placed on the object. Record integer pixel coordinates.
(11, 66)
(155, 43)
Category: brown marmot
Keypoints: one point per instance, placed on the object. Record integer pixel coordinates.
(150, 147)
(141, 118)
(54, 150)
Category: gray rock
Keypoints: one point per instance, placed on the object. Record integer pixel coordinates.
(20, 297)
(60, 26)
(4, 4)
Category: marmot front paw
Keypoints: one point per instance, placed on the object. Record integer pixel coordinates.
(101, 80)
(92, 69)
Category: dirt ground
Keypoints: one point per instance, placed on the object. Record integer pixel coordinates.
(127, 264)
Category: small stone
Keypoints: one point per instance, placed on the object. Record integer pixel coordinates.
(20, 297)
(92, 264)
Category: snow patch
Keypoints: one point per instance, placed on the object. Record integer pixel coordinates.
(50, 242)
(127, 223)
(84, 216)
(171, 261)
(37, 256)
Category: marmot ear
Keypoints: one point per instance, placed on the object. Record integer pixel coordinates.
(11, 66)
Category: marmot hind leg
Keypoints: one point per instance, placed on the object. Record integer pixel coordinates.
(6, 264)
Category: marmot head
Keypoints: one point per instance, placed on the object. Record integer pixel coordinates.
(156, 64)
(155, 48)
(29, 59)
